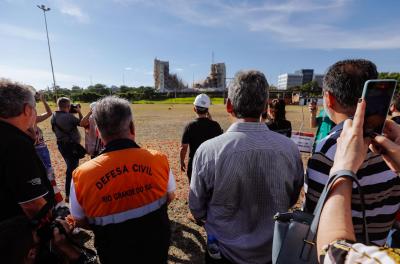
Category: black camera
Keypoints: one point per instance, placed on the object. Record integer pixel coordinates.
(45, 232)
(73, 108)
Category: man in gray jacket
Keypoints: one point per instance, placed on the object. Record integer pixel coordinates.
(65, 127)
(242, 178)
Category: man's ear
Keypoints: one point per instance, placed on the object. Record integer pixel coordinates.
(132, 128)
(229, 106)
(27, 110)
(266, 108)
(330, 100)
(98, 132)
(30, 258)
(392, 108)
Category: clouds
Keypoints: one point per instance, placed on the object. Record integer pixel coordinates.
(314, 24)
(73, 10)
(21, 32)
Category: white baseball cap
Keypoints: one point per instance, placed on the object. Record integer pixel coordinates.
(202, 100)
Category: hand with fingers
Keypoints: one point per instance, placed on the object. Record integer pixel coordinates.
(183, 166)
(388, 145)
(42, 97)
(312, 107)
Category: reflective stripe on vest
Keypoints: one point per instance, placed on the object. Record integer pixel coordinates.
(127, 215)
(129, 180)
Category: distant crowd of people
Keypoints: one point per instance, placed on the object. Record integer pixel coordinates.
(239, 179)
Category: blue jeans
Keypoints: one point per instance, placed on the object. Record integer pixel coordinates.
(44, 155)
(71, 161)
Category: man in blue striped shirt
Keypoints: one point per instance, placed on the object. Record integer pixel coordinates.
(343, 84)
(242, 178)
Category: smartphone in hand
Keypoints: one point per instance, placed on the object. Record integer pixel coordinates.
(378, 95)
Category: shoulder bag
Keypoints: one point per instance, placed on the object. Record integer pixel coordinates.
(295, 232)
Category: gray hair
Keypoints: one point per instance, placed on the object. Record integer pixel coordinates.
(13, 98)
(248, 93)
(63, 102)
(112, 116)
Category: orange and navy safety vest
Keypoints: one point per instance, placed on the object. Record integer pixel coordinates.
(123, 183)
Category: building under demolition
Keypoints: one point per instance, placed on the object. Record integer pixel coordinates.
(166, 82)
(163, 80)
(216, 78)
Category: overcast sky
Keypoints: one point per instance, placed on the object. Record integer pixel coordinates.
(102, 40)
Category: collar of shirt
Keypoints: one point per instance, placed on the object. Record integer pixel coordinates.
(59, 112)
(118, 144)
(338, 127)
(10, 129)
(247, 127)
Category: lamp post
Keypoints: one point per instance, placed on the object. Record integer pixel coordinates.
(45, 9)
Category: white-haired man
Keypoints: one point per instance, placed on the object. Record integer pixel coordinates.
(242, 178)
(123, 193)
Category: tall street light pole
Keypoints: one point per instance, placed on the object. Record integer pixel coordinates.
(45, 9)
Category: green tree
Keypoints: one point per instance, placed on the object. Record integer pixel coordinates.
(311, 89)
(391, 75)
(99, 88)
(76, 88)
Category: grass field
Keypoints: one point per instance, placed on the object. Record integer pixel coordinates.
(159, 127)
(185, 100)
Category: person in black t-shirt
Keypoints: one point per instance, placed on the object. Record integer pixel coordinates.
(395, 109)
(278, 122)
(198, 131)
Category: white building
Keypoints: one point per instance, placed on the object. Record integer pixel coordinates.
(288, 80)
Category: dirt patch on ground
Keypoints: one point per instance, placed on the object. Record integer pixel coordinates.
(160, 127)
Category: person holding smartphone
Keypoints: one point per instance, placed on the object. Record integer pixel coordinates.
(336, 239)
(322, 122)
(343, 85)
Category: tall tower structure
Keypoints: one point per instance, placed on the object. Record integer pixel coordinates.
(161, 74)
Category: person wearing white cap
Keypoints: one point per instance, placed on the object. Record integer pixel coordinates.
(198, 131)
(93, 144)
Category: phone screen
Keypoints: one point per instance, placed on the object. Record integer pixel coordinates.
(378, 96)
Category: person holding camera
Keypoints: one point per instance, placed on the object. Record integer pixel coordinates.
(22, 244)
(65, 126)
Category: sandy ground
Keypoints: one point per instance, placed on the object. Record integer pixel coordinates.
(160, 127)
